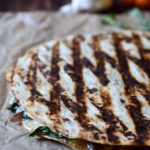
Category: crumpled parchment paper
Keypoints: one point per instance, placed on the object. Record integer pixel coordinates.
(18, 33)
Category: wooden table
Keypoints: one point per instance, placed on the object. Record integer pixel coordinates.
(31, 5)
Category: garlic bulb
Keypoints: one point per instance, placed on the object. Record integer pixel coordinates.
(88, 5)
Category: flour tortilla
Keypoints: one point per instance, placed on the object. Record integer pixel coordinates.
(81, 144)
(93, 87)
(31, 125)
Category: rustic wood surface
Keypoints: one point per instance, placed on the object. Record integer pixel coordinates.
(32, 5)
(29, 5)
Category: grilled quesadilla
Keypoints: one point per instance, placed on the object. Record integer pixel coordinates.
(90, 88)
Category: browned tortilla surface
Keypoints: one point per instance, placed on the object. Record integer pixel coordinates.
(94, 87)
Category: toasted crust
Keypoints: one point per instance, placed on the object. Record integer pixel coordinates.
(9, 74)
(31, 125)
(95, 88)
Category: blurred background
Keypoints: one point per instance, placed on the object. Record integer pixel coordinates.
(29, 5)
(54, 5)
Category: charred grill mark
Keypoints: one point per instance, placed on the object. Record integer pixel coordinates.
(33, 67)
(36, 95)
(110, 60)
(93, 90)
(147, 97)
(111, 137)
(123, 127)
(72, 106)
(107, 115)
(90, 127)
(122, 101)
(101, 57)
(68, 68)
(43, 101)
(95, 136)
(111, 120)
(35, 92)
(127, 39)
(142, 125)
(32, 78)
(79, 107)
(77, 66)
(54, 78)
(70, 71)
(123, 66)
(106, 99)
(136, 39)
(145, 67)
(145, 50)
(130, 135)
(134, 107)
(42, 67)
(12, 74)
(87, 64)
(46, 74)
(66, 119)
(130, 82)
(131, 79)
(144, 63)
(100, 70)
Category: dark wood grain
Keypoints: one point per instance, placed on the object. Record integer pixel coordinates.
(31, 5)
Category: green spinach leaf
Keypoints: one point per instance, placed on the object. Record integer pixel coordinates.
(13, 107)
(27, 117)
(46, 131)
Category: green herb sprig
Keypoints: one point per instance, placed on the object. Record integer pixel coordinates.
(135, 13)
(47, 131)
(111, 20)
